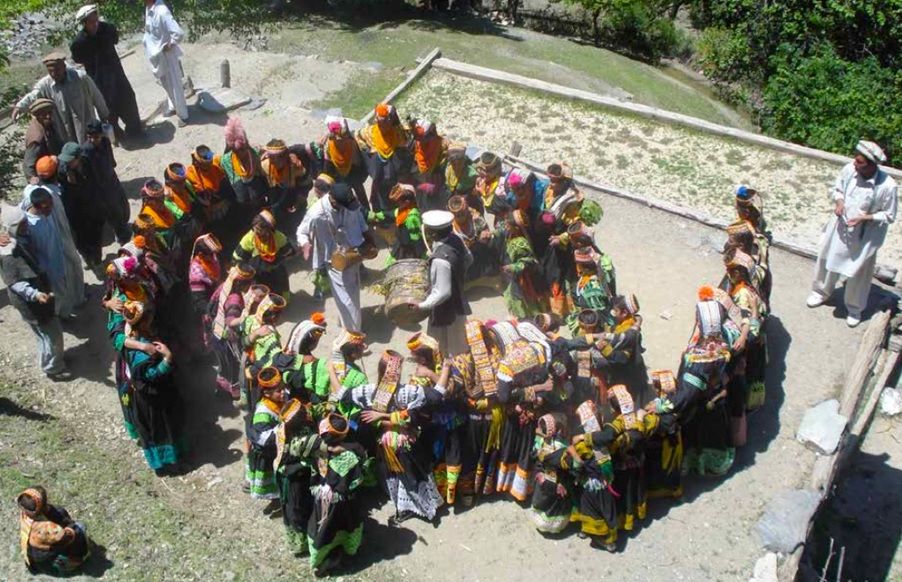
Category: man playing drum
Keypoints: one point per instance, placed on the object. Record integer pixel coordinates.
(448, 264)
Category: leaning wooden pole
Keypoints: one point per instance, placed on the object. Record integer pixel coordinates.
(419, 71)
(868, 352)
(872, 362)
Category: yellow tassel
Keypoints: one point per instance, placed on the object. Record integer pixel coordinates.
(672, 456)
(494, 440)
(391, 459)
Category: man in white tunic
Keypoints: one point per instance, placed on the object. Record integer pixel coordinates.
(865, 205)
(77, 99)
(448, 264)
(335, 221)
(162, 35)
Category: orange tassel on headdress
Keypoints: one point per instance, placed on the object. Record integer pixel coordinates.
(705, 293)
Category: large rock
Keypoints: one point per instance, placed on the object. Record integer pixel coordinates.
(765, 569)
(784, 524)
(891, 401)
(822, 427)
(886, 274)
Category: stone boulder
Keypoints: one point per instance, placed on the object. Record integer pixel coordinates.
(822, 427)
(784, 525)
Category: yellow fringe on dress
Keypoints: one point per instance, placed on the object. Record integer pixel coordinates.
(495, 428)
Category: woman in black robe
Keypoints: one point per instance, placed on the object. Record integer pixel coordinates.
(335, 528)
(154, 396)
(621, 349)
(296, 446)
(551, 499)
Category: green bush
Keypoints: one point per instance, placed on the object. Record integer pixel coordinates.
(633, 26)
(856, 28)
(724, 55)
(829, 103)
(685, 46)
(238, 17)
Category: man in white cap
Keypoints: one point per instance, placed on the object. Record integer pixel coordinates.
(162, 35)
(75, 98)
(29, 292)
(864, 206)
(95, 47)
(448, 264)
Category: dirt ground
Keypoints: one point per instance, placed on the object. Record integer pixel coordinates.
(654, 160)
(201, 526)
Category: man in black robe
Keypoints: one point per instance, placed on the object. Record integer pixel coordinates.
(95, 48)
(111, 200)
(79, 191)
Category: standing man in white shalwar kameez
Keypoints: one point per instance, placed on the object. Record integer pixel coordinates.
(448, 264)
(162, 35)
(335, 222)
(865, 199)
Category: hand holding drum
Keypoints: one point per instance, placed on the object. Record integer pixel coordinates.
(407, 285)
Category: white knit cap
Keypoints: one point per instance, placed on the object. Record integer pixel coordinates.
(84, 12)
(871, 151)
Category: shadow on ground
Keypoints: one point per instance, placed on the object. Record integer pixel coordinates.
(98, 563)
(878, 300)
(208, 441)
(11, 408)
(864, 516)
(383, 543)
(764, 423)
(91, 359)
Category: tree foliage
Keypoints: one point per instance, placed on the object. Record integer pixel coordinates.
(237, 17)
(821, 72)
(830, 103)
(641, 28)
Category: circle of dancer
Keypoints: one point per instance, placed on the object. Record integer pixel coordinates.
(550, 404)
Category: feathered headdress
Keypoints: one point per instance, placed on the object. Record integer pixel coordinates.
(235, 136)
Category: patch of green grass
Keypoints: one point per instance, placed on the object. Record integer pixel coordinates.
(734, 157)
(17, 79)
(363, 90)
(779, 163)
(148, 529)
(476, 41)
